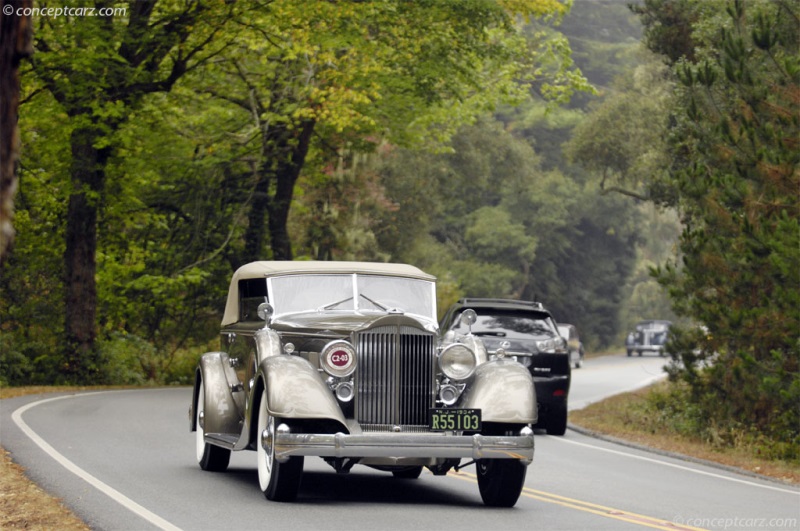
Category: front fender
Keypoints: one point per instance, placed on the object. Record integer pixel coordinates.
(295, 390)
(504, 392)
(222, 414)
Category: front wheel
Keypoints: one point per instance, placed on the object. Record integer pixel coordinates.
(500, 481)
(278, 481)
(209, 457)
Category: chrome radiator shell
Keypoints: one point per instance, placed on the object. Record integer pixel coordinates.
(395, 380)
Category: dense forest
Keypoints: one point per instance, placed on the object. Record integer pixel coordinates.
(614, 162)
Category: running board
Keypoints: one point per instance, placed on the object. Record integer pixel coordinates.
(222, 439)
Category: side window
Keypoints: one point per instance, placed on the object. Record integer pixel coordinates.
(252, 292)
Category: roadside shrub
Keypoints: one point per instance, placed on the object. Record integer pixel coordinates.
(674, 408)
(184, 362)
(32, 360)
(124, 356)
(15, 368)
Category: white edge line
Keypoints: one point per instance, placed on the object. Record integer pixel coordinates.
(681, 467)
(72, 467)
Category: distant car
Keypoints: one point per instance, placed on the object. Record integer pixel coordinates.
(344, 361)
(526, 331)
(630, 340)
(574, 343)
(649, 336)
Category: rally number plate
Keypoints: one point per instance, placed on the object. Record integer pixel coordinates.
(441, 419)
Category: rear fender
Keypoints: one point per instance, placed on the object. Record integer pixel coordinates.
(295, 389)
(504, 392)
(222, 414)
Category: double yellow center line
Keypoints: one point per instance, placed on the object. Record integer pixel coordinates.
(601, 510)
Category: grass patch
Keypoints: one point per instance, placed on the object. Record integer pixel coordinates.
(23, 505)
(642, 417)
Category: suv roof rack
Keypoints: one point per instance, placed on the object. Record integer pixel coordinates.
(468, 301)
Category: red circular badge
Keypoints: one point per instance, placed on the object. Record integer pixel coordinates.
(340, 358)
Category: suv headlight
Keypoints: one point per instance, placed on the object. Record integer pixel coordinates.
(458, 361)
(338, 358)
(556, 344)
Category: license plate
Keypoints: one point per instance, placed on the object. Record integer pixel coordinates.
(441, 419)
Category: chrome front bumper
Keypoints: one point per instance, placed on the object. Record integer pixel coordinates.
(401, 445)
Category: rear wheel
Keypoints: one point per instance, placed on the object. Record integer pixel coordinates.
(557, 420)
(278, 481)
(209, 457)
(500, 481)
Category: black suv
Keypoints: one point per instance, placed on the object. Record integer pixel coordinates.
(527, 331)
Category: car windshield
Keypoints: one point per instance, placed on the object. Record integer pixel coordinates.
(352, 292)
(653, 326)
(510, 325)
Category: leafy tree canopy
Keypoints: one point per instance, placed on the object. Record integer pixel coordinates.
(178, 134)
(734, 179)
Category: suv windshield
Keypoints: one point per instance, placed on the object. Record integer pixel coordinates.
(512, 325)
(303, 293)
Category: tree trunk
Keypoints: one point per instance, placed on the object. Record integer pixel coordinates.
(88, 179)
(256, 232)
(281, 202)
(15, 44)
(275, 205)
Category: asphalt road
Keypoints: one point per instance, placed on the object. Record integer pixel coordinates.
(125, 460)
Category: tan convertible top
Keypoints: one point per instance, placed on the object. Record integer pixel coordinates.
(264, 269)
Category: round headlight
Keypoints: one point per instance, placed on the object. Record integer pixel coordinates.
(458, 361)
(338, 358)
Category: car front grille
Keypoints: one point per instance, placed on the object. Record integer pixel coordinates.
(395, 379)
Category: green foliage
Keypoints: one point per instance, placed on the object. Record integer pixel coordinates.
(677, 409)
(622, 139)
(488, 218)
(15, 366)
(735, 182)
(583, 262)
(171, 127)
(124, 357)
(603, 35)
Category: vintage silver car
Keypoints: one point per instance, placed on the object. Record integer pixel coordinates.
(343, 360)
(650, 336)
